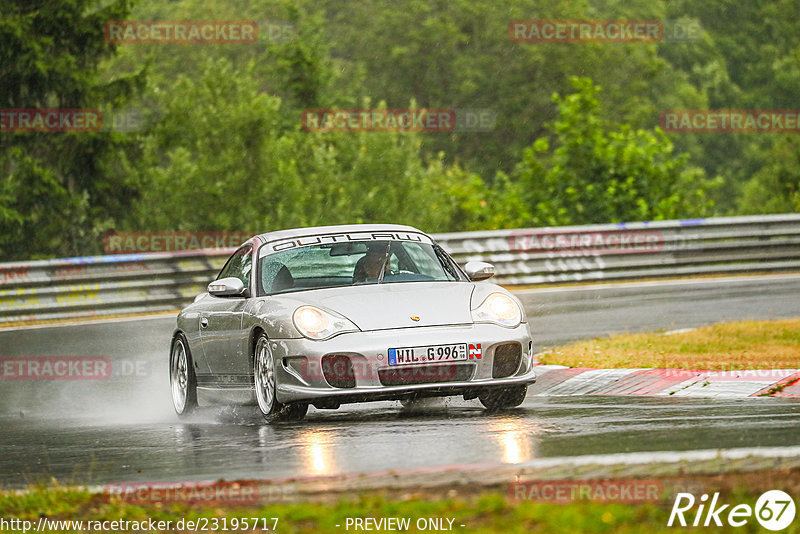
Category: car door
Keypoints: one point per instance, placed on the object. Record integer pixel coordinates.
(221, 323)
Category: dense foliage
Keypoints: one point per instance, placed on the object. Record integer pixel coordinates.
(208, 136)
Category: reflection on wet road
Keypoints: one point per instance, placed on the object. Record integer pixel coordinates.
(380, 436)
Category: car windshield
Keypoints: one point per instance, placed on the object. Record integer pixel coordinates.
(354, 263)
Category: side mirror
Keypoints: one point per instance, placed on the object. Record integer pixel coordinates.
(228, 287)
(479, 270)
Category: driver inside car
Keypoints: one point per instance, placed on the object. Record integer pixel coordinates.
(372, 266)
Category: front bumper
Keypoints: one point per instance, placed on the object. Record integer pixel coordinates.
(300, 375)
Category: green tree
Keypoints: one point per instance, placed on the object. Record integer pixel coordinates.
(458, 54)
(239, 166)
(59, 191)
(775, 188)
(747, 57)
(598, 174)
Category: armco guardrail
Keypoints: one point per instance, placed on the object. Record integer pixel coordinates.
(624, 251)
(100, 285)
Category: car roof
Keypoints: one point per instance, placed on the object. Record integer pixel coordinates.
(339, 228)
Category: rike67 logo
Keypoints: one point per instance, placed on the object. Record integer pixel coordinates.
(774, 510)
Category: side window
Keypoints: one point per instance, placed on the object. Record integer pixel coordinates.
(239, 266)
(247, 265)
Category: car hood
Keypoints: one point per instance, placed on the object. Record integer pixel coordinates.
(382, 306)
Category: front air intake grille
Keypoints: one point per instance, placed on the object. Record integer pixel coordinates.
(338, 371)
(507, 358)
(426, 374)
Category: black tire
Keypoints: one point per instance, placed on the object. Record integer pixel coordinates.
(293, 412)
(503, 398)
(266, 388)
(182, 379)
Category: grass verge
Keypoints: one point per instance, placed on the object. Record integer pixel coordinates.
(721, 347)
(489, 511)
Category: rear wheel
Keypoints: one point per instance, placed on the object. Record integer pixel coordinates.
(503, 398)
(265, 384)
(182, 379)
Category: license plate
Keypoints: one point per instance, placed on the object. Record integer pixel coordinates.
(428, 354)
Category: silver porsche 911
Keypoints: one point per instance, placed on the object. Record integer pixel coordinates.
(339, 314)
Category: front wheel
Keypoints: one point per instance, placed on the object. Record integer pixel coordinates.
(504, 398)
(182, 379)
(264, 371)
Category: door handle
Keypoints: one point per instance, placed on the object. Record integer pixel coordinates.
(204, 322)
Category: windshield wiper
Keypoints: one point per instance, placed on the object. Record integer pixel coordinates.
(385, 261)
(446, 261)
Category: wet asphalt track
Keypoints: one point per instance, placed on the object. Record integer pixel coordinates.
(123, 428)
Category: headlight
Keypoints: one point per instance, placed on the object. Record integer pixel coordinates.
(318, 324)
(499, 309)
